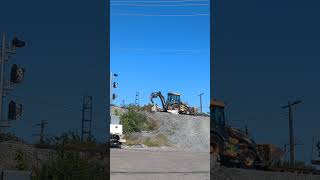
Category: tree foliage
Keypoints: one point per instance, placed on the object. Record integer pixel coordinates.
(134, 121)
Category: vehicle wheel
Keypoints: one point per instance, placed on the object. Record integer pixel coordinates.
(216, 145)
(247, 159)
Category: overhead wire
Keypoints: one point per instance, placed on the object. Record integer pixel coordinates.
(159, 1)
(159, 15)
(159, 5)
(185, 3)
(162, 50)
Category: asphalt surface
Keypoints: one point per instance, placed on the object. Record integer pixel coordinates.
(159, 164)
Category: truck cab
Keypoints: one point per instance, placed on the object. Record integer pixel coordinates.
(217, 114)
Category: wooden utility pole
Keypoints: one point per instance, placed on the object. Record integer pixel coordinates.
(291, 134)
(200, 95)
(41, 134)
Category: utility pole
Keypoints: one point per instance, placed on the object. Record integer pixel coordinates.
(137, 99)
(200, 95)
(86, 118)
(17, 74)
(291, 134)
(41, 134)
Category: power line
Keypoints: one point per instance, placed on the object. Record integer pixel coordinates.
(159, 5)
(160, 15)
(174, 1)
(163, 50)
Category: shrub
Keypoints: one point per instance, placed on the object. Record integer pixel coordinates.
(69, 138)
(22, 163)
(133, 121)
(69, 165)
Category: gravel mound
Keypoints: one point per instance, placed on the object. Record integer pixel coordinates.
(184, 131)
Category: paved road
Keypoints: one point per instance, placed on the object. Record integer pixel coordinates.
(159, 164)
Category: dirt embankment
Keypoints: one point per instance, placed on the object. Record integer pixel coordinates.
(184, 131)
(181, 131)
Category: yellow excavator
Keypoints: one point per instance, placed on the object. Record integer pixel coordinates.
(173, 103)
(233, 147)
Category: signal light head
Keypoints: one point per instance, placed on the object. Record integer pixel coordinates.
(18, 43)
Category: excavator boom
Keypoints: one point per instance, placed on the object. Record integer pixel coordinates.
(163, 101)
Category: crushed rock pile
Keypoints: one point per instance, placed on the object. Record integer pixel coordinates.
(184, 131)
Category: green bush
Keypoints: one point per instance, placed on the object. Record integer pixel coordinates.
(69, 138)
(133, 121)
(69, 165)
(22, 163)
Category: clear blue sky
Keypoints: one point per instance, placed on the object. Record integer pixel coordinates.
(266, 53)
(65, 59)
(161, 46)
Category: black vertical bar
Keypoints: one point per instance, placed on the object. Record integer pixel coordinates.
(291, 135)
(108, 117)
(82, 121)
(211, 72)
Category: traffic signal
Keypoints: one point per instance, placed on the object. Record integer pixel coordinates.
(115, 84)
(114, 96)
(18, 43)
(15, 110)
(17, 74)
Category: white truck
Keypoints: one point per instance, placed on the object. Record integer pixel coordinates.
(116, 136)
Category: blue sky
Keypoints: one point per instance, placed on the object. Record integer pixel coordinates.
(266, 53)
(161, 46)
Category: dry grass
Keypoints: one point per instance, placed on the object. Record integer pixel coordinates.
(156, 141)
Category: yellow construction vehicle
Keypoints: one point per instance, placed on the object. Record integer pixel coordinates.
(233, 147)
(173, 103)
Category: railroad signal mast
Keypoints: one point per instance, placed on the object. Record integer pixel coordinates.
(113, 85)
(7, 50)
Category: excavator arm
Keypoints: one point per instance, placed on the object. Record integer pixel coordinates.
(163, 101)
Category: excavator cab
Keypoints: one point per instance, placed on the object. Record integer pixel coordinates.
(173, 98)
(217, 114)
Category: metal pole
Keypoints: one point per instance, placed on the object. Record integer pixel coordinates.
(201, 101)
(292, 160)
(82, 122)
(42, 126)
(291, 138)
(312, 146)
(2, 77)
